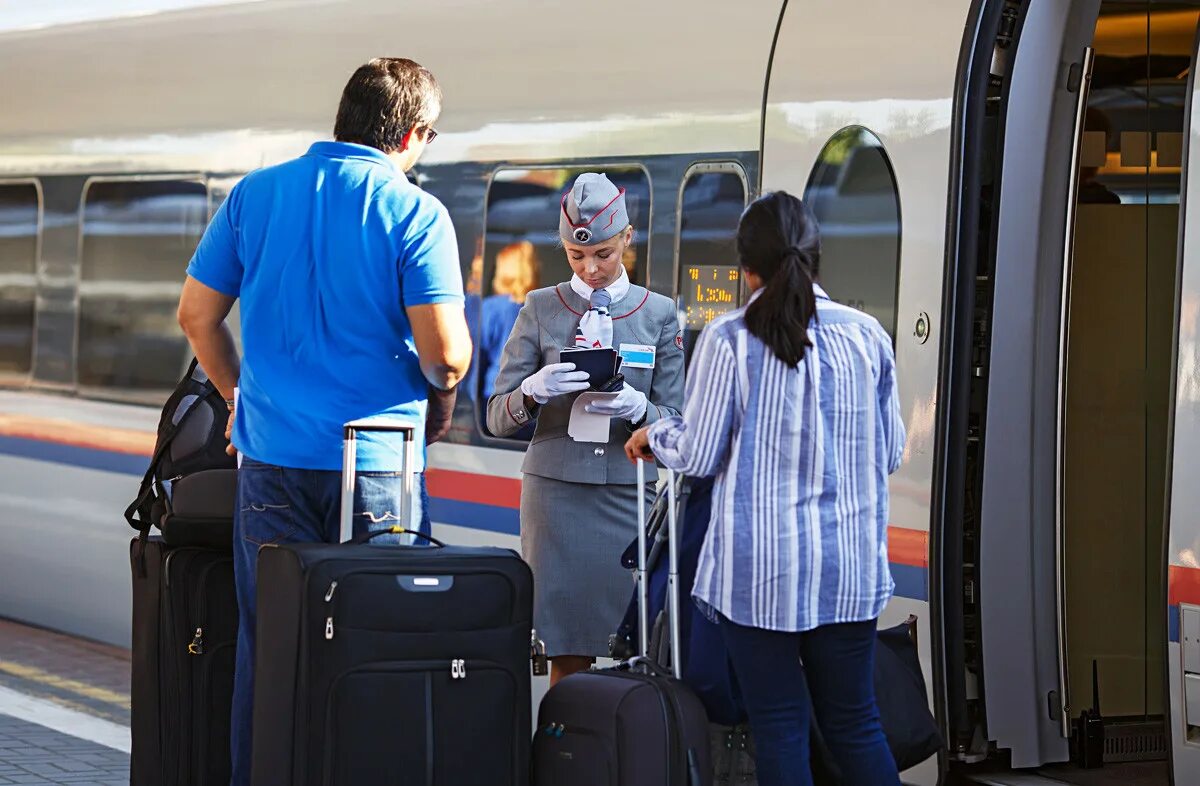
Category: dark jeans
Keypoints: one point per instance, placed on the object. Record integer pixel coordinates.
(837, 674)
(282, 505)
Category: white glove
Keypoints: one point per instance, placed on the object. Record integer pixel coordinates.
(554, 380)
(629, 404)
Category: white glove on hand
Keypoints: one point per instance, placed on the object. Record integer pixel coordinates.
(554, 380)
(630, 404)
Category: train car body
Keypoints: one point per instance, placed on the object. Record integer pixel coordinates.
(1043, 520)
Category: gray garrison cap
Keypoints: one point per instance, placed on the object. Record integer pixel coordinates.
(592, 211)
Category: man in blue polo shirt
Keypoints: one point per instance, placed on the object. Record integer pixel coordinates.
(351, 307)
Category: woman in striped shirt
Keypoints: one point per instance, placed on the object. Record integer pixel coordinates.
(791, 402)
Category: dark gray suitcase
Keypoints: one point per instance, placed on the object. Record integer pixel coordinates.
(381, 664)
(633, 725)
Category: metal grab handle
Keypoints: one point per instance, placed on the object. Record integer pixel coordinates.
(350, 469)
(1064, 328)
(358, 540)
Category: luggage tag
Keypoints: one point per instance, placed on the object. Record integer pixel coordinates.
(637, 355)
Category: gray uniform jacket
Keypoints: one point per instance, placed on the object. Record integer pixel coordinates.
(544, 326)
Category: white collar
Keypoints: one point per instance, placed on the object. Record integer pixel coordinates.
(616, 290)
(817, 290)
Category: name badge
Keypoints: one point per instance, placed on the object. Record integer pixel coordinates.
(637, 355)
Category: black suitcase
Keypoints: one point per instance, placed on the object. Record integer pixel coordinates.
(633, 725)
(185, 620)
(391, 664)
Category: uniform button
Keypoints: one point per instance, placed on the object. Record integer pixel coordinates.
(599, 451)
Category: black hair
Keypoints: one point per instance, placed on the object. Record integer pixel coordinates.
(779, 241)
(384, 100)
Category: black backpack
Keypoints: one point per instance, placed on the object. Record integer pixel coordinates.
(190, 489)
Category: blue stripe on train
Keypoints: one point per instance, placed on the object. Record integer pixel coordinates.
(911, 581)
(1173, 624)
(506, 521)
(74, 455)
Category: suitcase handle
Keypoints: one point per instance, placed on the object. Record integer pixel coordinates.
(646, 663)
(350, 431)
(358, 540)
(642, 577)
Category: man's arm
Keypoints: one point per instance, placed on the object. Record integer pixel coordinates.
(443, 342)
(202, 312)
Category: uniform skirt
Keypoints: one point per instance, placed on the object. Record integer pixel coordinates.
(572, 536)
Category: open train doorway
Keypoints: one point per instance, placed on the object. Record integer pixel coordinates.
(1118, 385)
(1059, 387)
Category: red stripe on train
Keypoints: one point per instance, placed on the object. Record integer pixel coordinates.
(469, 487)
(908, 547)
(1183, 585)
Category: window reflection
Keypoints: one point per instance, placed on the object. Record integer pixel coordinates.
(20, 215)
(853, 194)
(521, 252)
(709, 276)
(137, 239)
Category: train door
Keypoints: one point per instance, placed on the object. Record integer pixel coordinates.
(1182, 624)
(863, 133)
(1060, 387)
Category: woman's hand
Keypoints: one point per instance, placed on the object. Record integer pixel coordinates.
(230, 450)
(638, 446)
(557, 379)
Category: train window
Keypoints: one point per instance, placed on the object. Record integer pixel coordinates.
(20, 224)
(853, 193)
(137, 238)
(521, 252)
(710, 205)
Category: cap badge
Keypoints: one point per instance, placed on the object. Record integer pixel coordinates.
(582, 234)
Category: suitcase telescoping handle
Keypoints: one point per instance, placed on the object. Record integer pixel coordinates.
(643, 584)
(407, 432)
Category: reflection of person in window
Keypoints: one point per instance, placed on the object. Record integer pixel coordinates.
(629, 261)
(517, 274)
(1092, 191)
(473, 307)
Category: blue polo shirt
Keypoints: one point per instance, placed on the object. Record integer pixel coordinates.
(324, 253)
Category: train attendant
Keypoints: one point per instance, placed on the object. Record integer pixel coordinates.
(792, 404)
(579, 499)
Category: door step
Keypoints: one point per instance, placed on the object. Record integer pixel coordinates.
(1126, 741)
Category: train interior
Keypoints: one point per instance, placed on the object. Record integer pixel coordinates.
(1119, 367)
(1117, 392)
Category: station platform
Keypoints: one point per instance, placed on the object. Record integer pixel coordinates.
(64, 709)
(64, 719)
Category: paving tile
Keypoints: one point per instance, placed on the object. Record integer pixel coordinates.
(32, 754)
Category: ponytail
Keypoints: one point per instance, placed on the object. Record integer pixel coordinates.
(779, 317)
(779, 241)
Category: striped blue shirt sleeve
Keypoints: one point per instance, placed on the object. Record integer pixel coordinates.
(889, 405)
(697, 443)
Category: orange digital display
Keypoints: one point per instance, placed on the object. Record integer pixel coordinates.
(708, 292)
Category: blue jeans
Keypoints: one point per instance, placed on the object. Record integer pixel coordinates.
(837, 672)
(282, 505)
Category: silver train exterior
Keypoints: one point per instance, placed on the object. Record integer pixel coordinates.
(122, 131)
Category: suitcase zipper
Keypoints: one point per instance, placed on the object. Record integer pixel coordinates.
(559, 731)
(333, 585)
(329, 620)
(673, 716)
(197, 645)
(429, 668)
